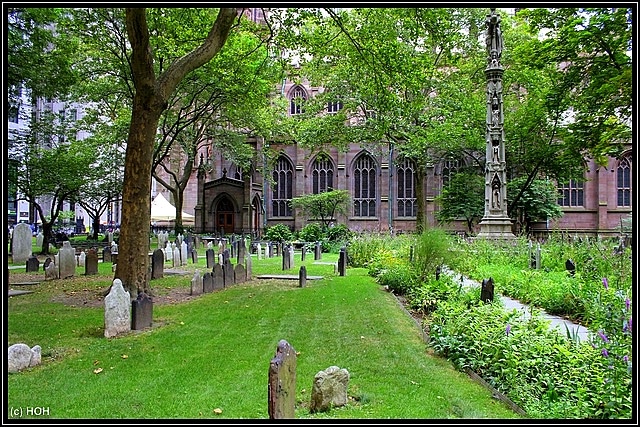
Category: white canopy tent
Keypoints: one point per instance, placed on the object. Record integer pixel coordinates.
(162, 210)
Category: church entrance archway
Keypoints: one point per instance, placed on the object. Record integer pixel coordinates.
(225, 216)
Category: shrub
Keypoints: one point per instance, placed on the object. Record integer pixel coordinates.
(339, 233)
(432, 249)
(311, 233)
(278, 233)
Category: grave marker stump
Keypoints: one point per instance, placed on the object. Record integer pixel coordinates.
(282, 382)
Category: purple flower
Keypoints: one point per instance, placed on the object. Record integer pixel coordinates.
(630, 323)
(603, 336)
(605, 282)
(508, 329)
(625, 358)
(605, 353)
(627, 302)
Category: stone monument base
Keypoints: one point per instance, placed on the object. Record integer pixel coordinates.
(495, 228)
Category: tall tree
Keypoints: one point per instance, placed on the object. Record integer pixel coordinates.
(153, 89)
(322, 206)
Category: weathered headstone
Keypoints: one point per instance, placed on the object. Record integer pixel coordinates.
(183, 253)
(229, 275)
(570, 266)
(221, 259)
(51, 271)
(303, 253)
(248, 266)
(289, 249)
(239, 274)
(282, 382)
(91, 262)
(194, 255)
(318, 252)
(157, 264)
(242, 251)
(207, 282)
(210, 255)
(175, 258)
(342, 262)
(302, 276)
(117, 316)
(226, 255)
(141, 312)
(197, 286)
(67, 257)
(39, 239)
(82, 258)
(486, 292)
(259, 251)
(21, 243)
(329, 389)
(286, 260)
(106, 254)
(21, 356)
(218, 277)
(33, 265)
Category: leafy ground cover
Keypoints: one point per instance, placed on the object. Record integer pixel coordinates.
(207, 357)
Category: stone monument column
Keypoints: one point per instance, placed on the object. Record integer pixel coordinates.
(495, 223)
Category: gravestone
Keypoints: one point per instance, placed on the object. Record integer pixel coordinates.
(286, 260)
(342, 262)
(39, 239)
(141, 312)
(106, 254)
(117, 316)
(329, 389)
(242, 251)
(239, 274)
(229, 275)
(183, 253)
(282, 382)
(21, 243)
(33, 265)
(486, 293)
(259, 251)
(570, 266)
(221, 259)
(175, 258)
(91, 263)
(81, 259)
(268, 250)
(194, 256)
(248, 266)
(46, 263)
(226, 256)
(51, 271)
(67, 257)
(218, 277)
(303, 252)
(197, 284)
(302, 276)
(317, 255)
(157, 264)
(21, 356)
(289, 250)
(207, 282)
(233, 246)
(210, 255)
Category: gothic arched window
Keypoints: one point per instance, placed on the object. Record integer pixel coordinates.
(322, 173)
(405, 176)
(364, 186)
(571, 194)
(623, 182)
(296, 100)
(282, 188)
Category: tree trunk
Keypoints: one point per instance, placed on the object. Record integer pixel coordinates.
(96, 227)
(149, 102)
(46, 233)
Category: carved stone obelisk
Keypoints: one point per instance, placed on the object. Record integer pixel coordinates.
(495, 223)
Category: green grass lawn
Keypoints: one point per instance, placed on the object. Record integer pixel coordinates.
(213, 351)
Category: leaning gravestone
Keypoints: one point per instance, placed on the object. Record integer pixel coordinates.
(486, 292)
(282, 382)
(21, 243)
(329, 389)
(141, 312)
(210, 258)
(157, 264)
(117, 316)
(67, 256)
(33, 265)
(196, 283)
(91, 262)
(20, 356)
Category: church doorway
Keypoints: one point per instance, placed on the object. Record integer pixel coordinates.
(225, 216)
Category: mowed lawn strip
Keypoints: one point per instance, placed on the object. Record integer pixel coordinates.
(213, 352)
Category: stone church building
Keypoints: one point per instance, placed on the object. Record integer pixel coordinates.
(381, 187)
